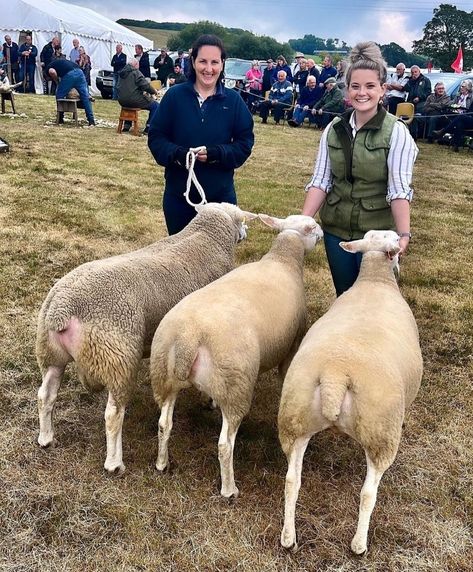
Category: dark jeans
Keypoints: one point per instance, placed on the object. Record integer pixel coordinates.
(29, 71)
(178, 212)
(278, 109)
(457, 128)
(344, 266)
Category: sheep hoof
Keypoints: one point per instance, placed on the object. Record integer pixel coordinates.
(232, 497)
(289, 542)
(115, 471)
(47, 444)
(358, 546)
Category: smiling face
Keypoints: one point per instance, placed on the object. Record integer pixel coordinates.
(208, 66)
(365, 91)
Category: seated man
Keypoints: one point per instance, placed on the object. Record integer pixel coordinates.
(280, 99)
(394, 88)
(176, 76)
(309, 96)
(135, 90)
(68, 74)
(436, 104)
(330, 104)
(418, 87)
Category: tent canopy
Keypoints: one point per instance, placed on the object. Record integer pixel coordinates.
(47, 18)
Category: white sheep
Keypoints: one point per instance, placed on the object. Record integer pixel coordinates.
(221, 337)
(104, 313)
(358, 368)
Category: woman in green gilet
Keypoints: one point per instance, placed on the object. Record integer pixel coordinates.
(363, 173)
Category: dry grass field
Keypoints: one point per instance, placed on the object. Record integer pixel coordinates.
(69, 195)
(159, 37)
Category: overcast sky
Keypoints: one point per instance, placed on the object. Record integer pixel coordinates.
(399, 21)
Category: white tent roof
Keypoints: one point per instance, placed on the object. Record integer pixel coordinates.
(58, 17)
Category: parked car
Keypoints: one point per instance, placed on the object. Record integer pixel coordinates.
(104, 79)
(452, 81)
(235, 71)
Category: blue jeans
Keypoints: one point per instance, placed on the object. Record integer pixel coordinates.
(344, 266)
(76, 78)
(300, 114)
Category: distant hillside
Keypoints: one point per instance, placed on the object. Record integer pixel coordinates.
(174, 26)
(159, 37)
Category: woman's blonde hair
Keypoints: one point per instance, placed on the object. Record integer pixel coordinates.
(468, 84)
(367, 56)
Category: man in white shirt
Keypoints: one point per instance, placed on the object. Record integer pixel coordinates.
(395, 82)
(74, 55)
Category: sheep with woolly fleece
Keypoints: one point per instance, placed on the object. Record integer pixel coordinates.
(219, 338)
(103, 314)
(358, 369)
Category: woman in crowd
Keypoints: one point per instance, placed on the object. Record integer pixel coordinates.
(85, 64)
(200, 113)
(254, 81)
(362, 176)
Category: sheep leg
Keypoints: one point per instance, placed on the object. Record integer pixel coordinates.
(367, 502)
(47, 395)
(293, 483)
(165, 426)
(226, 445)
(114, 415)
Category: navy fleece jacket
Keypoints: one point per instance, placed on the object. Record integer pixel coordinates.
(223, 124)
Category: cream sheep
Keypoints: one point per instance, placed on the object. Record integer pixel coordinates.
(358, 368)
(104, 313)
(219, 338)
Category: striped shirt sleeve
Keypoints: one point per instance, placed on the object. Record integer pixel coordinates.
(401, 157)
(322, 176)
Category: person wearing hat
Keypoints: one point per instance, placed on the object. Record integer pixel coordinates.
(163, 65)
(296, 66)
(183, 62)
(268, 79)
(330, 104)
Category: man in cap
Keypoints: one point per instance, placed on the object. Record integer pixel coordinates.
(330, 105)
(163, 65)
(296, 66)
(268, 79)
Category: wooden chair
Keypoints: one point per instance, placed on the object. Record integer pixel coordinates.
(8, 97)
(129, 114)
(66, 106)
(405, 111)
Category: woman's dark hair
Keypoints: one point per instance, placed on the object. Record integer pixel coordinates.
(207, 40)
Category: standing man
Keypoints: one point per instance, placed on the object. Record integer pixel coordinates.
(143, 59)
(118, 63)
(48, 53)
(268, 76)
(10, 58)
(327, 71)
(395, 85)
(28, 54)
(164, 66)
(71, 76)
(74, 54)
(183, 62)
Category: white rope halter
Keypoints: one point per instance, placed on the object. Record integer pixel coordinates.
(191, 178)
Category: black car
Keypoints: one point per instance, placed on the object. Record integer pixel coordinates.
(104, 83)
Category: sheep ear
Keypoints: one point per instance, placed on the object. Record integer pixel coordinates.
(271, 221)
(353, 246)
(249, 216)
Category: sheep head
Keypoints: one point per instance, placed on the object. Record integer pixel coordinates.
(377, 241)
(238, 216)
(305, 226)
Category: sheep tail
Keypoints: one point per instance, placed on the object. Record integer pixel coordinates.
(333, 388)
(185, 353)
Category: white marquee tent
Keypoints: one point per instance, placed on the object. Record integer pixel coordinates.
(48, 18)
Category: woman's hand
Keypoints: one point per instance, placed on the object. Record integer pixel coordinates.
(202, 155)
(403, 244)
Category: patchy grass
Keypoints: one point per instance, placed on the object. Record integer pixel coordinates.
(69, 195)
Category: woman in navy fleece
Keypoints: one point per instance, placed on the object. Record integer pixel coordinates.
(200, 112)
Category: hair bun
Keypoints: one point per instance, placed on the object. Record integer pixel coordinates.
(365, 51)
